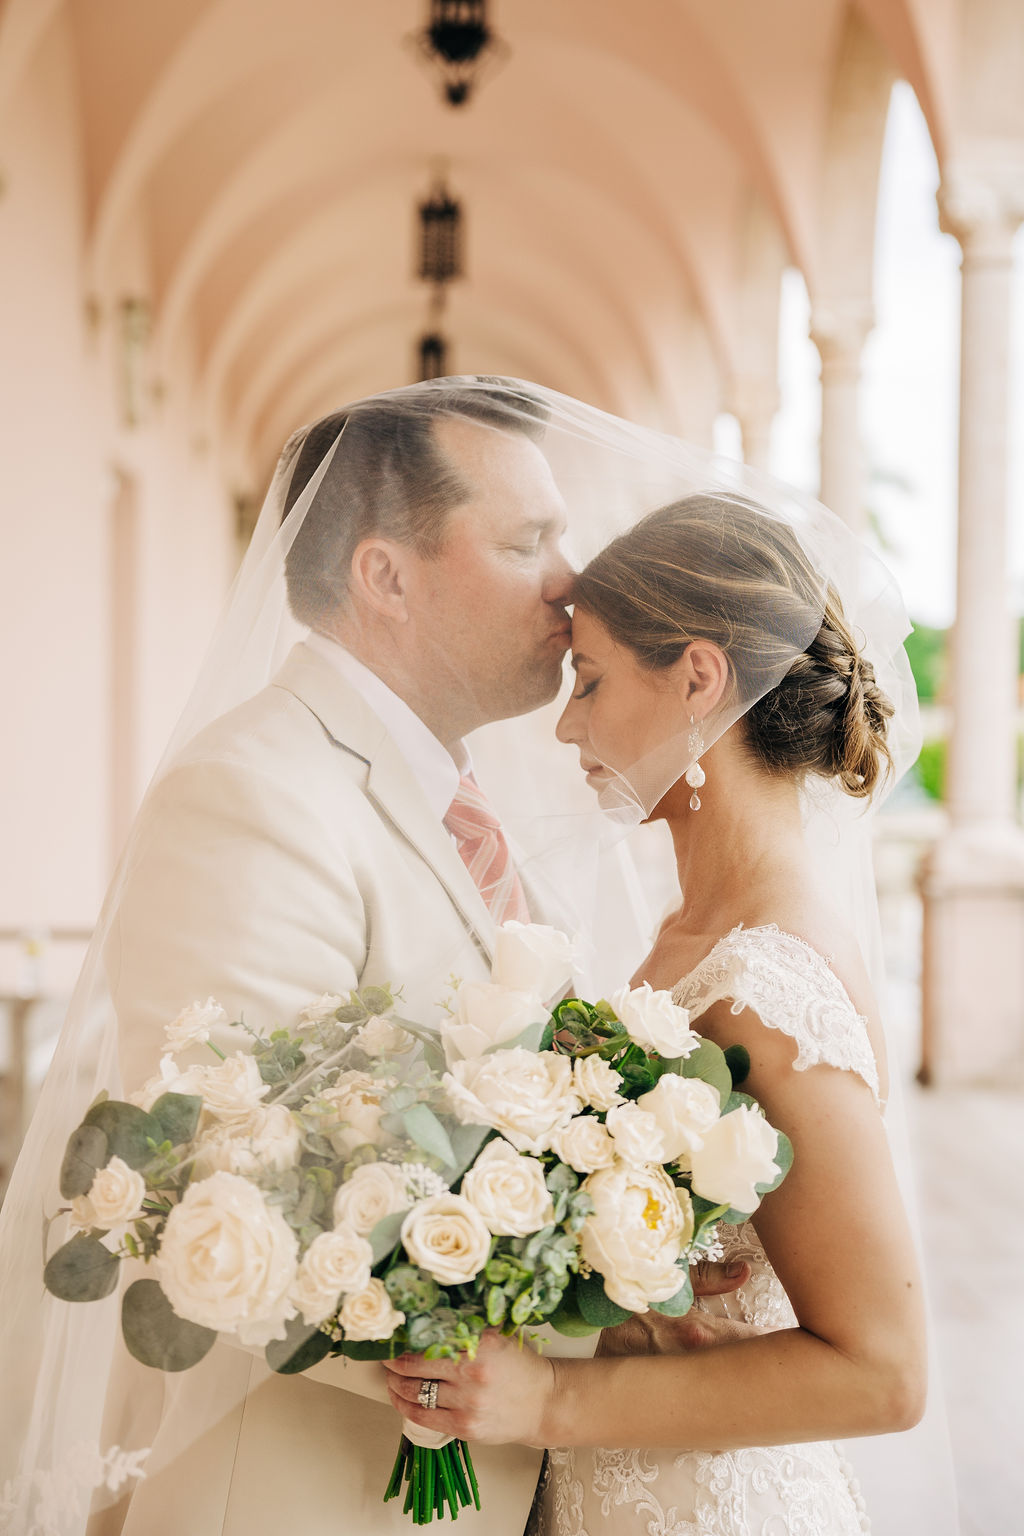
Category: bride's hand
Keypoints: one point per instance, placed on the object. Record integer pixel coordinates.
(499, 1398)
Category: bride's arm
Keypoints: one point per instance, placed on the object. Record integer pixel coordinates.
(837, 1237)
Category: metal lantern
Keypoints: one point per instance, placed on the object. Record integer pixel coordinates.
(440, 237)
(433, 356)
(460, 45)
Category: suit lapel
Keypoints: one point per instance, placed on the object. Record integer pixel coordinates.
(391, 783)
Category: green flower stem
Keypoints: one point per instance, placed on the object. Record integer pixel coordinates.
(461, 1445)
(433, 1479)
(216, 1050)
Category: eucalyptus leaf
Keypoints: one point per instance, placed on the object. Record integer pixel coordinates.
(82, 1270)
(385, 1234)
(708, 1062)
(425, 1129)
(368, 1349)
(302, 1346)
(679, 1304)
(783, 1161)
(128, 1129)
(86, 1153)
(596, 1307)
(178, 1114)
(738, 1060)
(528, 1039)
(567, 1318)
(156, 1335)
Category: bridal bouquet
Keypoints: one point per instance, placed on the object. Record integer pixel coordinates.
(363, 1185)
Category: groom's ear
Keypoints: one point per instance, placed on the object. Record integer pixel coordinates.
(378, 578)
(704, 675)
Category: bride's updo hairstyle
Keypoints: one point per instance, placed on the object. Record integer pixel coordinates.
(720, 568)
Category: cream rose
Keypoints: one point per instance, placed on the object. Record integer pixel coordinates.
(230, 1091)
(485, 1016)
(447, 1237)
(170, 1079)
(193, 1025)
(684, 1108)
(654, 1021)
(375, 1190)
(526, 1095)
(737, 1152)
(636, 1134)
(584, 1144)
(115, 1197)
(321, 1008)
(530, 957)
(369, 1314)
(268, 1141)
(597, 1082)
(357, 1100)
(640, 1226)
(508, 1190)
(335, 1264)
(228, 1260)
(382, 1037)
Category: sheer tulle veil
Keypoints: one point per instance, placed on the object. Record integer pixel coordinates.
(80, 1419)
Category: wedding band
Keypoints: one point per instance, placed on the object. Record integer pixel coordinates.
(427, 1395)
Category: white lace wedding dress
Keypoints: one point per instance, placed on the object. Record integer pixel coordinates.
(782, 1490)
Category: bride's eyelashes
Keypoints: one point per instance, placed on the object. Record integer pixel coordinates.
(587, 688)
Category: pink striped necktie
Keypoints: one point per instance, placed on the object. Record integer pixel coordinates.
(485, 853)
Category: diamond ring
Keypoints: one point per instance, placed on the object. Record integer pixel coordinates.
(427, 1395)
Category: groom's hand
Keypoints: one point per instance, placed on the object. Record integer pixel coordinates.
(651, 1334)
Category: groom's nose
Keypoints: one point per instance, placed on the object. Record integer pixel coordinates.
(558, 583)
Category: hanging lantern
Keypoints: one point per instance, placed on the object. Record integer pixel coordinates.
(433, 356)
(440, 237)
(460, 45)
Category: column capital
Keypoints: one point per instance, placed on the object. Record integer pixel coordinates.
(840, 328)
(981, 203)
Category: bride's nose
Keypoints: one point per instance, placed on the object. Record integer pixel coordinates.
(568, 729)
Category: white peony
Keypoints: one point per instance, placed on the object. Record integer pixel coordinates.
(193, 1025)
(485, 1016)
(382, 1037)
(115, 1197)
(228, 1260)
(335, 1264)
(685, 1108)
(597, 1082)
(357, 1100)
(636, 1134)
(584, 1144)
(530, 957)
(640, 1226)
(321, 1008)
(526, 1095)
(508, 1190)
(267, 1141)
(447, 1237)
(737, 1152)
(369, 1314)
(654, 1021)
(374, 1190)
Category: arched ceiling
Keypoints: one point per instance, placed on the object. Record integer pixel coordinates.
(252, 167)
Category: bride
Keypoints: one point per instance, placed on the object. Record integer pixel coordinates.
(671, 619)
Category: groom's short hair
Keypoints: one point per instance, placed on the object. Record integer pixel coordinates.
(389, 475)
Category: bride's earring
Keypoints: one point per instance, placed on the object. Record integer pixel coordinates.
(695, 775)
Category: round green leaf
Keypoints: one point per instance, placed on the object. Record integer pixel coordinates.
(595, 1305)
(679, 1304)
(128, 1129)
(708, 1063)
(178, 1114)
(86, 1152)
(156, 1335)
(368, 1349)
(302, 1346)
(569, 1320)
(82, 1270)
(738, 1060)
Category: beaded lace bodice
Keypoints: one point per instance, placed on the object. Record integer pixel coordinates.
(799, 1490)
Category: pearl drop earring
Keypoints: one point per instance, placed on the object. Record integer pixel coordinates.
(695, 776)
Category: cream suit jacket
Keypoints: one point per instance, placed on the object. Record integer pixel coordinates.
(289, 852)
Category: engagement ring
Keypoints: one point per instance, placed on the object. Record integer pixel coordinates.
(427, 1397)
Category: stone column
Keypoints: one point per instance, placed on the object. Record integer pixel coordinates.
(973, 880)
(755, 404)
(839, 332)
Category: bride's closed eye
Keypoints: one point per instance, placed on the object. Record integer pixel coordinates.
(587, 688)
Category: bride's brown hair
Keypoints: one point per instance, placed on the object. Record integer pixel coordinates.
(723, 569)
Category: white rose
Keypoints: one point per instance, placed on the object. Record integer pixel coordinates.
(584, 1144)
(230, 1091)
(335, 1264)
(375, 1190)
(636, 1134)
(169, 1080)
(447, 1237)
(369, 1314)
(382, 1037)
(529, 957)
(685, 1108)
(321, 1008)
(227, 1260)
(737, 1152)
(654, 1021)
(357, 1100)
(115, 1197)
(526, 1095)
(597, 1082)
(487, 1015)
(193, 1025)
(508, 1190)
(640, 1226)
(269, 1141)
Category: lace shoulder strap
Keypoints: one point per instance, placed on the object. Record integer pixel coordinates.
(792, 988)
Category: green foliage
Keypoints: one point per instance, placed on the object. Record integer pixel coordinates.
(131, 1134)
(86, 1153)
(82, 1270)
(594, 1304)
(302, 1346)
(178, 1115)
(411, 1289)
(424, 1128)
(156, 1335)
(926, 650)
(930, 768)
(737, 1059)
(709, 1062)
(567, 1317)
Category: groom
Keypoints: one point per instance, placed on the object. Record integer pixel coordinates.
(328, 834)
